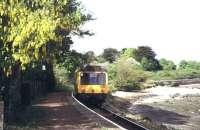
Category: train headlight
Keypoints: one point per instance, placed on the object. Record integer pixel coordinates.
(83, 90)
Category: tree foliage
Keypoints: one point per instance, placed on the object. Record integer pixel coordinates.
(144, 51)
(128, 52)
(89, 57)
(167, 64)
(33, 30)
(146, 56)
(189, 65)
(150, 64)
(71, 61)
(110, 54)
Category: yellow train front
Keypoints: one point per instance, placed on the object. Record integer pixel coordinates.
(92, 83)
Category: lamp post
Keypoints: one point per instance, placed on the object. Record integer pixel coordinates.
(43, 67)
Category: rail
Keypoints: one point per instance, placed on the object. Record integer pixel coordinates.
(114, 118)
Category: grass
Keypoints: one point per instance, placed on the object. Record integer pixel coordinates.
(103, 128)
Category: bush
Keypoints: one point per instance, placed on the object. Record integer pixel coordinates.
(189, 65)
(175, 74)
(63, 80)
(128, 76)
(112, 72)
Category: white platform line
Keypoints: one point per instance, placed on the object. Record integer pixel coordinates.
(98, 114)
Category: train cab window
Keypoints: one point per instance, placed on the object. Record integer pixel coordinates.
(93, 78)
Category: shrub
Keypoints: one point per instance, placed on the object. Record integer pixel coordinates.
(175, 74)
(189, 65)
(128, 52)
(112, 72)
(128, 76)
(63, 81)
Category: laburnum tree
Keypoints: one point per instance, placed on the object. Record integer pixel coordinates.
(33, 31)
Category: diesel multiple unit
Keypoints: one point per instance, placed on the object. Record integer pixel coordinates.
(91, 82)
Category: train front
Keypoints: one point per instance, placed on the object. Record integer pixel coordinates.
(92, 85)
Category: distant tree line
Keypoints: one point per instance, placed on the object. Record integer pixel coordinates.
(130, 68)
(144, 55)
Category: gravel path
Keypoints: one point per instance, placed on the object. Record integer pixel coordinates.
(58, 111)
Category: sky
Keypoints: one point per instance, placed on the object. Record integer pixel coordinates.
(170, 27)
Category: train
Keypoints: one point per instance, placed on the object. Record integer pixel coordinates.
(91, 83)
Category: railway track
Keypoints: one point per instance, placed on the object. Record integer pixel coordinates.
(122, 121)
(114, 118)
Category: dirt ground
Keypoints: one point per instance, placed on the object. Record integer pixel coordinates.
(175, 107)
(58, 111)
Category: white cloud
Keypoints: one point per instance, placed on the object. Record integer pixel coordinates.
(170, 27)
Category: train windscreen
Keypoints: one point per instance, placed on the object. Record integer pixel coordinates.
(93, 78)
